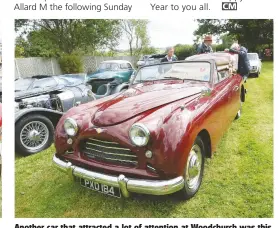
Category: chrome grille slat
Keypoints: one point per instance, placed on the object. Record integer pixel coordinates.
(97, 140)
(125, 155)
(112, 159)
(108, 152)
(113, 148)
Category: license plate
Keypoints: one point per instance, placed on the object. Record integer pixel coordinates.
(103, 188)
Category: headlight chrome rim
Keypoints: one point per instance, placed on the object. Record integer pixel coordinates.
(144, 129)
(74, 126)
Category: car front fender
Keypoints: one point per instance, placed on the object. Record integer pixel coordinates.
(20, 113)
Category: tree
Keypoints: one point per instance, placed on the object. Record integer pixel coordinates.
(183, 51)
(38, 45)
(19, 23)
(227, 39)
(67, 36)
(252, 33)
(149, 50)
(136, 34)
(20, 47)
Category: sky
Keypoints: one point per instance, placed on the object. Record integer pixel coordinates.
(164, 32)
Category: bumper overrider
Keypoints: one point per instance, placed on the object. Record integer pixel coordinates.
(126, 185)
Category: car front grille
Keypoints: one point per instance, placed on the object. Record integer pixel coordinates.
(108, 152)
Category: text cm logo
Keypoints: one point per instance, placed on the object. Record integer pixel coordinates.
(229, 5)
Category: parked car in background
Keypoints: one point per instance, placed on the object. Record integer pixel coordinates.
(120, 69)
(150, 59)
(154, 137)
(255, 63)
(40, 101)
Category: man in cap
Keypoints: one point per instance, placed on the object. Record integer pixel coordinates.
(205, 47)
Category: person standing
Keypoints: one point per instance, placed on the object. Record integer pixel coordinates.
(243, 61)
(170, 57)
(205, 47)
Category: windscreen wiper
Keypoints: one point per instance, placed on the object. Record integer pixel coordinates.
(171, 78)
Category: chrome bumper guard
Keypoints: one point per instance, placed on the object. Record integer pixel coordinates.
(127, 185)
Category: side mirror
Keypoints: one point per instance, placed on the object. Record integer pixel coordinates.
(206, 92)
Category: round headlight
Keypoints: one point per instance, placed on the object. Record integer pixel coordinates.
(70, 127)
(139, 134)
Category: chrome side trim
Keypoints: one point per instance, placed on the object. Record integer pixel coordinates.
(152, 187)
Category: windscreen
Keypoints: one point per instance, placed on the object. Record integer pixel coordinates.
(23, 84)
(199, 71)
(72, 79)
(109, 66)
(252, 56)
(44, 83)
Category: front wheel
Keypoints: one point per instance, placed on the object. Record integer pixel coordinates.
(194, 169)
(33, 133)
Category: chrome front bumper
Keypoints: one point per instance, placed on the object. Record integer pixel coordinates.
(127, 185)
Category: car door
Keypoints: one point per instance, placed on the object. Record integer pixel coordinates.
(231, 90)
(224, 91)
(219, 101)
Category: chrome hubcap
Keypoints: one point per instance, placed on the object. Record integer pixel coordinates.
(34, 135)
(193, 167)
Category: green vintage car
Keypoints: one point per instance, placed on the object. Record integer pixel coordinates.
(120, 69)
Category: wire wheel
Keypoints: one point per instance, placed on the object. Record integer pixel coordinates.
(34, 135)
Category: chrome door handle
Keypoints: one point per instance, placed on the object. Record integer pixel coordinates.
(236, 88)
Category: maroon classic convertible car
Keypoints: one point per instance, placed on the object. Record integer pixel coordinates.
(154, 137)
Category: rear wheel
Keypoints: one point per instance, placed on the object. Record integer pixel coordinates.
(194, 169)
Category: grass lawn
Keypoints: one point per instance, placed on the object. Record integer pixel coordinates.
(238, 181)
